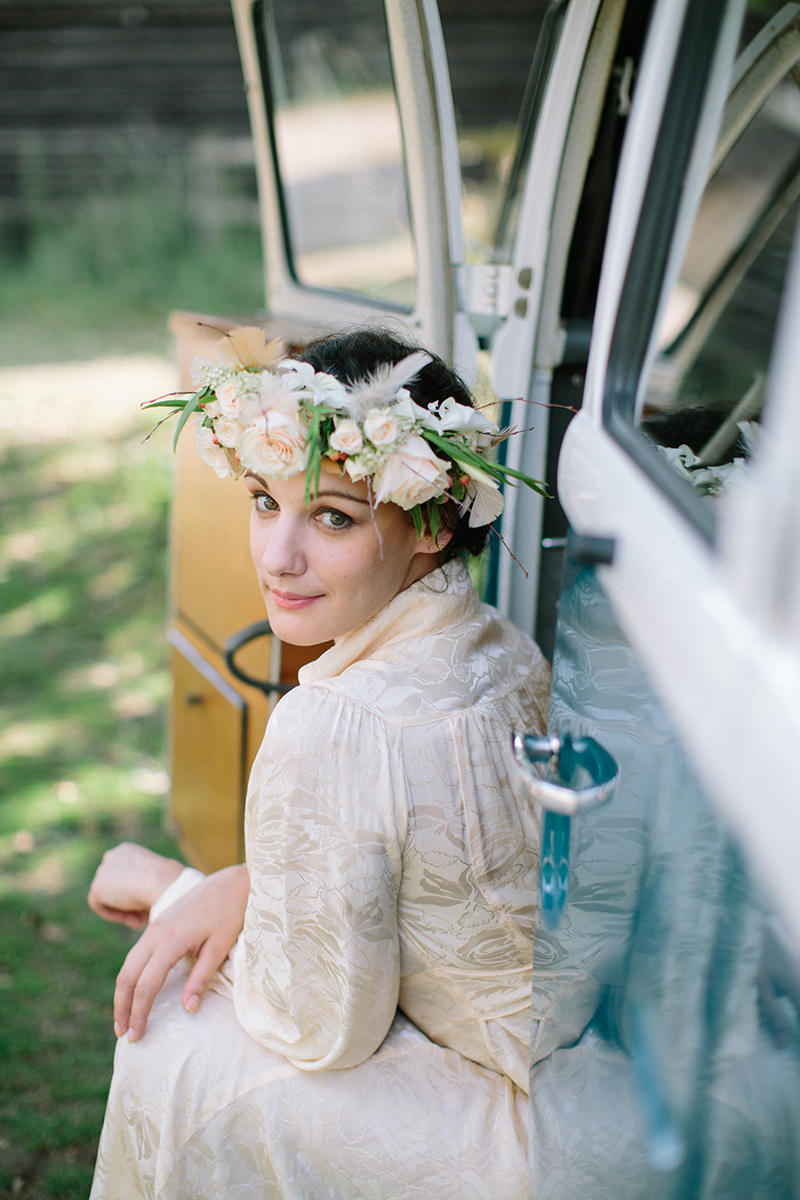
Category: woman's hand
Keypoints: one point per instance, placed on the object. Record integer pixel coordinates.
(128, 882)
(204, 923)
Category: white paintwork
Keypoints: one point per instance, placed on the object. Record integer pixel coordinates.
(716, 630)
(512, 347)
(530, 344)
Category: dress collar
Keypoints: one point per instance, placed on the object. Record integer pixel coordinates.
(443, 598)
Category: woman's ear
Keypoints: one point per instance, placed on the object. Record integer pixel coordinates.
(428, 544)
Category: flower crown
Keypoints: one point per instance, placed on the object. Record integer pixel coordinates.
(278, 417)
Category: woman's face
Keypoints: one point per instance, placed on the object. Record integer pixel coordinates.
(320, 566)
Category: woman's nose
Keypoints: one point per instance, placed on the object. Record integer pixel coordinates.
(282, 550)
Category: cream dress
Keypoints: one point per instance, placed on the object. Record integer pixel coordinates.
(369, 1035)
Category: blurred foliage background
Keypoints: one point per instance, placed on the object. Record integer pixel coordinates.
(109, 218)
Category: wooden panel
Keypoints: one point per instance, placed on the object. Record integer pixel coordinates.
(217, 722)
(208, 738)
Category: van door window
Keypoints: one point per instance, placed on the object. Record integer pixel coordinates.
(702, 397)
(499, 59)
(338, 147)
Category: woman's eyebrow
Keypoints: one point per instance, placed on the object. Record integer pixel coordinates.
(326, 492)
(342, 496)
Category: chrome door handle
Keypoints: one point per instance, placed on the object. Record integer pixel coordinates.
(569, 760)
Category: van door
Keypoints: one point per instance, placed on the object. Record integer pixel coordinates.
(674, 909)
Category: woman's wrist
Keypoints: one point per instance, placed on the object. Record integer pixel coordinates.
(162, 873)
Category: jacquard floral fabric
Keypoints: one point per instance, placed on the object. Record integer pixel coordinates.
(392, 865)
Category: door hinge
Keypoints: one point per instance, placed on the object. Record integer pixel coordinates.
(485, 293)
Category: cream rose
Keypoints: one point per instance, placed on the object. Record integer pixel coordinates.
(273, 446)
(381, 427)
(229, 396)
(228, 431)
(346, 438)
(411, 475)
(210, 450)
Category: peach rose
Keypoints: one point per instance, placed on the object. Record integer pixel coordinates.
(411, 475)
(210, 450)
(229, 397)
(273, 446)
(380, 427)
(346, 438)
(228, 431)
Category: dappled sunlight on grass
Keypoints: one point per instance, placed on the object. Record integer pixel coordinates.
(84, 686)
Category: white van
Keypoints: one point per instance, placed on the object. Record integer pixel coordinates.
(619, 265)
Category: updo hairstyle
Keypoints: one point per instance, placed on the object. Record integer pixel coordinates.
(351, 357)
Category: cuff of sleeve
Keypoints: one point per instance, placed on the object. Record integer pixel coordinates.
(188, 879)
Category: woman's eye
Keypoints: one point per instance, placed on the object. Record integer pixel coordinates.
(264, 503)
(331, 518)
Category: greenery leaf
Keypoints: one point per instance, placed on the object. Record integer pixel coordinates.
(435, 519)
(192, 404)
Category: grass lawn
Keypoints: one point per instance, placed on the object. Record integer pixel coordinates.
(83, 679)
(84, 684)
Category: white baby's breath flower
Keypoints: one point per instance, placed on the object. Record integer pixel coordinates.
(210, 450)
(381, 427)
(346, 437)
(411, 475)
(197, 368)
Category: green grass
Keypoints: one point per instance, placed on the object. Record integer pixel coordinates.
(84, 682)
(83, 679)
(103, 278)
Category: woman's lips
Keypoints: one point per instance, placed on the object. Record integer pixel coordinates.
(291, 600)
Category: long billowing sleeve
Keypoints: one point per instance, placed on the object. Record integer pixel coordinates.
(317, 968)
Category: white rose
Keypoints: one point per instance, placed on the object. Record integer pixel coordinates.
(273, 446)
(380, 427)
(346, 438)
(229, 396)
(210, 450)
(411, 475)
(212, 409)
(228, 431)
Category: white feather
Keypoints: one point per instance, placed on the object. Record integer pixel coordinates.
(382, 386)
(487, 502)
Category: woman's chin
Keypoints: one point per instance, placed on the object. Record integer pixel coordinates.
(298, 627)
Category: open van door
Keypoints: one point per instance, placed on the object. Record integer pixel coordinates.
(673, 909)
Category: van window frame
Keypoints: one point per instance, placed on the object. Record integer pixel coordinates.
(650, 253)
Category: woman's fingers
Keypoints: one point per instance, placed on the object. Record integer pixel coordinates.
(130, 878)
(134, 919)
(209, 960)
(142, 976)
(205, 924)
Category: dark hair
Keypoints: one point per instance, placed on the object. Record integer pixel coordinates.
(351, 357)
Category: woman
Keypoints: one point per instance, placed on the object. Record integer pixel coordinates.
(369, 1034)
